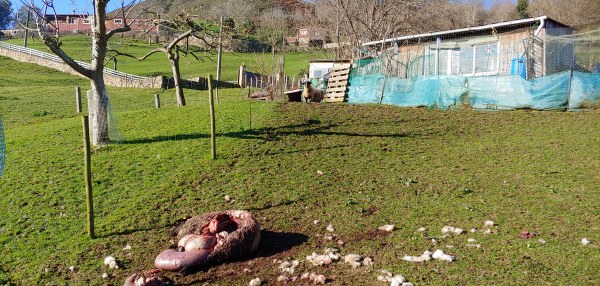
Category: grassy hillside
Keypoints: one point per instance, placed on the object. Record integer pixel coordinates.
(356, 167)
(79, 48)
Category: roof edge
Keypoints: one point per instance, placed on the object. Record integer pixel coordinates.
(469, 29)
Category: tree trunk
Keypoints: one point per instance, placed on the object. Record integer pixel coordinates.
(98, 103)
(98, 111)
(174, 60)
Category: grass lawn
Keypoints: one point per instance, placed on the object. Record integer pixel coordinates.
(356, 167)
(78, 47)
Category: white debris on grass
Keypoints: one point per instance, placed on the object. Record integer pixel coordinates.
(471, 239)
(585, 241)
(71, 268)
(319, 172)
(330, 255)
(474, 245)
(314, 277)
(488, 223)
(330, 228)
(289, 266)
(353, 259)
(356, 260)
(127, 247)
(426, 256)
(487, 231)
(451, 229)
(229, 199)
(255, 282)
(394, 280)
(440, 255)
(316, 221)
(542, 241)
(422, 229)
(104, 275)
(387, 227)
(283, 279)
(473, 230)
(111, 262)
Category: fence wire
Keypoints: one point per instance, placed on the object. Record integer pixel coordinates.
(525, 68)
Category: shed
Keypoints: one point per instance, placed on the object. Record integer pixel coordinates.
(513, 47)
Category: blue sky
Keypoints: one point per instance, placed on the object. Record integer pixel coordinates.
(84, 6)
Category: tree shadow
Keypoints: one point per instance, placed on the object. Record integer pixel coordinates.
(309, 128)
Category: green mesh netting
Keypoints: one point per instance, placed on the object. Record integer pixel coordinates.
(576, 90)
(2, 148)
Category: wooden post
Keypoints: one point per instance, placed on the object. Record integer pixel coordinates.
(115, 62)
(78, 99)
(88, 176)
(219, 58)
(213, 141)
(250, 106)
(157, 100)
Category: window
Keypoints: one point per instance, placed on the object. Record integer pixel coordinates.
(72, 20)
(303, 32)
(86, 21)
(118, 21)
(475, 59)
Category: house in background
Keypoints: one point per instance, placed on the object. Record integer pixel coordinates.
(81, 24)
(309, 37)
(520, 47)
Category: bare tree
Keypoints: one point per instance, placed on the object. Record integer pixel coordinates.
(577, 13)
(49, 32)
(359, 21)
(188, 26)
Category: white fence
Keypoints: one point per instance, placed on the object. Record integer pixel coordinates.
(57, 59)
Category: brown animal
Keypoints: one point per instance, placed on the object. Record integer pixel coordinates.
(310, 93)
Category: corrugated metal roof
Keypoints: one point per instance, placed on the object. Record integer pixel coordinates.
(508, 24)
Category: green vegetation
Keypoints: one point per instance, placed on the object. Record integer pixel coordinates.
(78, 47)
(525, 170)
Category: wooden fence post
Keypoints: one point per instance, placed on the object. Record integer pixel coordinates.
(213, 141)
(157, 100)
(78, 99)
(88, 176)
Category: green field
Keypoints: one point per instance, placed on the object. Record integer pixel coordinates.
(356, 167)
(78, 47)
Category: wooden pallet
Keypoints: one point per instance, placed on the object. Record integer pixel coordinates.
(337, 85)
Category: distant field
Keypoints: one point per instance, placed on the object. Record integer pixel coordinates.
(298, 168)
(79, 48)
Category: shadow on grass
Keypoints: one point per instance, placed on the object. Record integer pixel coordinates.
(310, 128)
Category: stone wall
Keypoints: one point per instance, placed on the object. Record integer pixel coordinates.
(110, 80)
